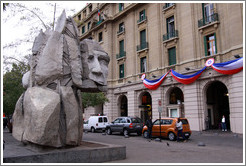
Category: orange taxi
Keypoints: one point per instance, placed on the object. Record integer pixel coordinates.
(168, 126)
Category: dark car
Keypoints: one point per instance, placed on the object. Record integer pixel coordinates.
(125, 125)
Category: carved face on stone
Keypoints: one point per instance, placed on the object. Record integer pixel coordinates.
(94, 61)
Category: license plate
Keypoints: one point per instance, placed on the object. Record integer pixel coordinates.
(187, 134)
(138, 126)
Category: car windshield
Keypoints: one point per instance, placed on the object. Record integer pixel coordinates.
(136, 120)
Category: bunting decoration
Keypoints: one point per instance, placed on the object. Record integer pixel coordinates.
(186, 79)
(230, 67)
(98, 12)
(153, 84)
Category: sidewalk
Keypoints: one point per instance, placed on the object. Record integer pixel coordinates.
(217, 133)
(89, 151)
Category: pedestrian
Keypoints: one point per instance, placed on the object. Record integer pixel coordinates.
(207, 120)
(10, 124)
(149, 124)
(179, 126)
(223, 123)
(5, 122)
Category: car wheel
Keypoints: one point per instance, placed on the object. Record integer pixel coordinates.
(187, 137)
(145, 134)
(171, 136)
(125, 132)
(92, 129)
(109, 132)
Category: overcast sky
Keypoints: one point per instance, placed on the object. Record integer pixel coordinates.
(14, 29)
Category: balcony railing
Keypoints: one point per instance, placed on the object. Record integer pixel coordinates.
(100, 21)
(167, 5)
(121, 55)
(121, 30)
(170, 35)
(142, 46)
(143, 18)
(207, 20)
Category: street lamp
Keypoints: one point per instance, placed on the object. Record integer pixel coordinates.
(160, 110)
(237, 56)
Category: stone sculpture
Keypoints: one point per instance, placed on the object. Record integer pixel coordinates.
(49, 112)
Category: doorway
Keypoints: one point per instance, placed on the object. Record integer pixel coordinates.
(146, 106)
(217, 99)
(123, 106)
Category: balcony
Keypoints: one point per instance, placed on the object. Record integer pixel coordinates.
(142, 19)
(121, 30)
(167, 5)
(142, 46)
(122, 54)
(208, 20)
(100, 21)
(170, 35)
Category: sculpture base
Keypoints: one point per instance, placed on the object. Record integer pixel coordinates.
(87, 152)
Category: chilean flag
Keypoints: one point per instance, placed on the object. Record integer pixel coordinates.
(186, 79)
(154, 84)
(98, 12)
(230, 67)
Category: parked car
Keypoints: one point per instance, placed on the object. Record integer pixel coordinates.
(125, 125)
(168, 126)
(95, 123)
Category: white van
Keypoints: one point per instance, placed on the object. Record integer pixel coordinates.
(96, 122)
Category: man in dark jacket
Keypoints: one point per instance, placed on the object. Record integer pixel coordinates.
(149, 124)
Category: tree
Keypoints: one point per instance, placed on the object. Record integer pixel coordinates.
(93, 99)
(12, 86)
(5, 5)
(22, 22)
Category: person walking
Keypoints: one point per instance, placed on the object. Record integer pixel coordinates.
(179, 126)
(149, 124)
(207, 121)
(223, 123)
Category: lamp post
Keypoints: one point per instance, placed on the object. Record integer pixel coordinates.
(159, 110)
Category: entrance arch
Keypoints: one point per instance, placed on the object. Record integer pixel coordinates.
(123, 106)
(217, 101)
(175, 102)
(146, 106)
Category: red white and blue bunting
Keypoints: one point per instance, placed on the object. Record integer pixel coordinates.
(153, 84)
(230, 67)
(186, 79)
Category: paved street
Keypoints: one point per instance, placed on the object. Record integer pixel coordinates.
(220, 147)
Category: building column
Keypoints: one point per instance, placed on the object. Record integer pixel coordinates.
(155, 95)
(192, 109)
(133, 109)
(110, 108)
(236, 102)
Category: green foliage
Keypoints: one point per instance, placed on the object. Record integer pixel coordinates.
(5, 5)
(93, 99)
(12, 86)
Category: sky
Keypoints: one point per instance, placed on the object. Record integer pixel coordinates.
(15, 28)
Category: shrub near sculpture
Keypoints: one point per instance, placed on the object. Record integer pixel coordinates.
(49, 112)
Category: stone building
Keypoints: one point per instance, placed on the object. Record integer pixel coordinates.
(153, 38)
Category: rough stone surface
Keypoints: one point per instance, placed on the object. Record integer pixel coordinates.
(41, 117)
(26, 79)
(18, 117)
(50, 114)
(61, 21)
(73, 119)
(49, 66)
